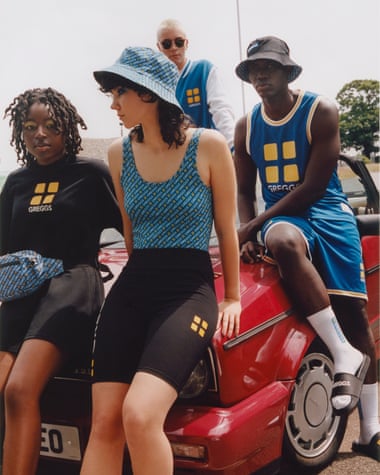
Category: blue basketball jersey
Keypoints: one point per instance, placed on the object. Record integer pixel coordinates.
(280, 150)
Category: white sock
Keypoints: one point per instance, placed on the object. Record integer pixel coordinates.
(347, 359)
(369, 412)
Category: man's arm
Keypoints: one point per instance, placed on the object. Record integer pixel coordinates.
(246, 174)
(325, 149)
(220, 109)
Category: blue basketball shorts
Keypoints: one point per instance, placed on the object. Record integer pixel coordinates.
(334, 248)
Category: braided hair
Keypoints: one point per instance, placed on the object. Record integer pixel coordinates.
(61, 110)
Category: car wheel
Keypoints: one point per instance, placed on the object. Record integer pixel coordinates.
(313, 433)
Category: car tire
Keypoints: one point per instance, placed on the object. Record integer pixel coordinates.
(313, 433)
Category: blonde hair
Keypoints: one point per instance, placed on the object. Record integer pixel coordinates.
(170, 23)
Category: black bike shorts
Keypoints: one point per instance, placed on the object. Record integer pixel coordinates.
(63, 311)
(159, 317)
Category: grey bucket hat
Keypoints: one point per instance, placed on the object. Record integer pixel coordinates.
(148, 68)
(268, 47)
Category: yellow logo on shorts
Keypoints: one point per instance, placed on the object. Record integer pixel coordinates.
(199, 326)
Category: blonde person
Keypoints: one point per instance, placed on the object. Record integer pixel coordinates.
(200, 89)
(172, 181)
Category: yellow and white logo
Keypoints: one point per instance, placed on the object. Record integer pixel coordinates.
(43, 197)
(290, 173)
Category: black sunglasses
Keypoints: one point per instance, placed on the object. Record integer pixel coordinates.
(167, 44)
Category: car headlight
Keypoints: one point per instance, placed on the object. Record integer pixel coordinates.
(188, 451)
(197, 382)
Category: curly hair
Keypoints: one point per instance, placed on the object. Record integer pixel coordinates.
(172, 120)
(61, 110)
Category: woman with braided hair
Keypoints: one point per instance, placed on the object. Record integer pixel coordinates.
(57, 205)
(61, 111)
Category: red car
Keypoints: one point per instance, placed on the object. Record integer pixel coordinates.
(252, 401)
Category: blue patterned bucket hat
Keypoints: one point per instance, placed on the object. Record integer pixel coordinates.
(148, 68)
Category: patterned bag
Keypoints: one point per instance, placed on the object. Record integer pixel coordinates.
(22, 272)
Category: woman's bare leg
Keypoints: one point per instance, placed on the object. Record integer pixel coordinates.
(6, 364)
(105, 449)
(144, 412)
(33, 367)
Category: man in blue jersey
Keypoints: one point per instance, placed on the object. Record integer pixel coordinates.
(199, 91)
(291, 140)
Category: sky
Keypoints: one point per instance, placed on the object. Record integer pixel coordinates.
(60, 43)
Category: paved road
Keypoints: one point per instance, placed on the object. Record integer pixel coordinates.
(348, 462)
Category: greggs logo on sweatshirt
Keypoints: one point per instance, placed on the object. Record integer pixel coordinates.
(43, 197)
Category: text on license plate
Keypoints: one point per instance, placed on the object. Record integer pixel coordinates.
(60, 442)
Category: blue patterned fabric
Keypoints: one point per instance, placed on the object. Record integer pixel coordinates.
(148, 68)
(177, 213)
(22, 272)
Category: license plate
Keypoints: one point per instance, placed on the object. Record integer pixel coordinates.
(60, 442)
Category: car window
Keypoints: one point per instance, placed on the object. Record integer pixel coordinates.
(353, 188)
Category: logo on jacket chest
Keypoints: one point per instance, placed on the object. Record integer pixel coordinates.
(43, 197)
(193, 96)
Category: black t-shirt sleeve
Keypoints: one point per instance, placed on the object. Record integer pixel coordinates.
(107, 204)
(5, 216)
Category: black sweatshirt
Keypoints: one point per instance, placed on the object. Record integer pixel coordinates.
(58, 210)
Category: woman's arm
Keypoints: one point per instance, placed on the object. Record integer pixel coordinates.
(115, 159)
(214, 150)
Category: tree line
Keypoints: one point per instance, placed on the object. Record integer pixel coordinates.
(358, 103)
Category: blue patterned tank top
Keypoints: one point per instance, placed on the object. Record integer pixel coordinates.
(176, 213)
